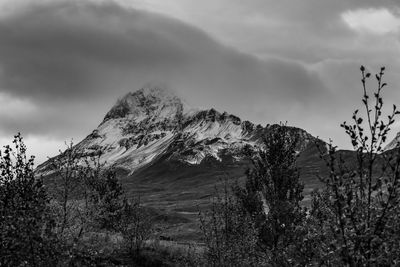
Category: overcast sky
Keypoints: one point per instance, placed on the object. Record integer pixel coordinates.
(63, 64)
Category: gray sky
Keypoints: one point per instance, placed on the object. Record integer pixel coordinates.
(63, 64)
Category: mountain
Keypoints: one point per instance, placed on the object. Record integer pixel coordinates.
(153, 123)
(174, 156)
(394, 143)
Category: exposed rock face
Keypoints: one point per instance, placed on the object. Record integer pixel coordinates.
(152, 123)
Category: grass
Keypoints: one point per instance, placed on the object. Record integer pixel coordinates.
(107, 249)
(175, 192)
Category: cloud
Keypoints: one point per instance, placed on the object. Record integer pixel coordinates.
(39, 146)
(56, 51)
(377, 21)
(10, 106)
(63, 64)
(70, 61)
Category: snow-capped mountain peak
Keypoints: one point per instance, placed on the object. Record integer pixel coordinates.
(154, 123)
(148, 102)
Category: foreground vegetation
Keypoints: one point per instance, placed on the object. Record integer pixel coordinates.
(83, 218)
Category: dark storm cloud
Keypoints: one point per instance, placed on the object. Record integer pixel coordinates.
(57, 50)
(71, 61)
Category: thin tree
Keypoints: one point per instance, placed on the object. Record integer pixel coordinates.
(273, 192)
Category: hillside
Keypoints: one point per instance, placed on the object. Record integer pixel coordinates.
(174, 155)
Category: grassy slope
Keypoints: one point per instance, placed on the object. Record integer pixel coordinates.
(182, 190)
(176, 192)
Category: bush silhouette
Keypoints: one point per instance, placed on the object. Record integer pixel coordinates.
(272, 194)
(26, 228)
(357, 213)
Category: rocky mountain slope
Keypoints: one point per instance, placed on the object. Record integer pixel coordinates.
(153, 123)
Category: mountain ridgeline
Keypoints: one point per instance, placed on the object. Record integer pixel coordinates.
(153, 123)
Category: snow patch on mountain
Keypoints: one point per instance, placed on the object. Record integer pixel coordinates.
(153, 122)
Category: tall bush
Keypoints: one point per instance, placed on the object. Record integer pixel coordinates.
(27, 236)
(358, 211)
(272, 194)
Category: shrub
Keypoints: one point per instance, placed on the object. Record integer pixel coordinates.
(68, 179)
(135, 225)
(27, 235)
(272, 195)
(229, 233)
(87, 196)
(88, 199)
(104, 198)
(358, 211)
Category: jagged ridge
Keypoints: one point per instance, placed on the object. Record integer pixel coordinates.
(153, 122)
